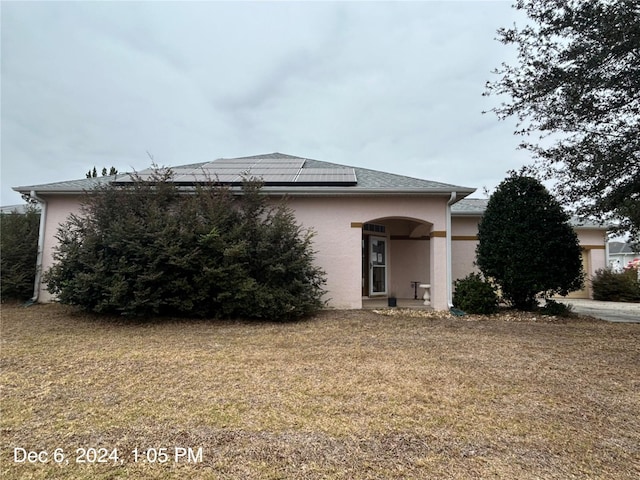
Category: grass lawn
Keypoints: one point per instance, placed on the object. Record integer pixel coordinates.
(345, 395)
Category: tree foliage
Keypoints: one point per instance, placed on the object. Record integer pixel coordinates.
(94, 173)
(18, 253)
(149, 249)
(526, 244)
(577, 84)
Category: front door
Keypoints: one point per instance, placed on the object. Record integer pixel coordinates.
(377, 266)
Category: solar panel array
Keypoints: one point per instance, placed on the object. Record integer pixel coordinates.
(271, 171)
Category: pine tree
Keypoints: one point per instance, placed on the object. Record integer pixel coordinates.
(94, 173)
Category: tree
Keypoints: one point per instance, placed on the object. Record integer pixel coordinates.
(577, 84)
(526, 244)
(18, 252)
(148, 249)
(94, 173)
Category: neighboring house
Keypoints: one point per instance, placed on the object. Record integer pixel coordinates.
(621, 255)
(376, 233)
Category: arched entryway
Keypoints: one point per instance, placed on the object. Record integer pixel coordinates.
(395, 257)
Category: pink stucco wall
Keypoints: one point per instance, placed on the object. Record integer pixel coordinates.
(409, 262)
(59, 207)
(337, 222)
(338, 242)
(464, 229)
(463, 255)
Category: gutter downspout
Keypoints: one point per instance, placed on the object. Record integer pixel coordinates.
(43, 219)
(448, 244)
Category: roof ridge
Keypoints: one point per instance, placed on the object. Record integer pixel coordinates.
(262, 155)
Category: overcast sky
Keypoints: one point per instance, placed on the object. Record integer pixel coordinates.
(393, 86)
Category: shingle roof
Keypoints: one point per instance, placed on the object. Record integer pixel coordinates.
(621, 247)
(475, 207)
(470, 206)
(68, 186)
(368, 181)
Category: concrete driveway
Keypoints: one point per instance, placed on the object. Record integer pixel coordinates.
(609, 311)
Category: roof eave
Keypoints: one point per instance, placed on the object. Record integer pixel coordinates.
(303, 191)
(318, 191)
(28, 190)
(466, 214)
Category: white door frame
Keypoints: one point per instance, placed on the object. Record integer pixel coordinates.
(378, 261)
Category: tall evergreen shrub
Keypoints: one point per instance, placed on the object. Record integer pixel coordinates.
(150, 249)
(526, 244)
(18, 253)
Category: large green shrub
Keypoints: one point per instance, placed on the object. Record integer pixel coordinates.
(18, 253)
(149, 249)
(474, 295)
(616, 287)
(526, 244)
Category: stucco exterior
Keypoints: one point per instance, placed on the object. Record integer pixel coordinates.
(58, 209)
(464, 235)
(338, 225)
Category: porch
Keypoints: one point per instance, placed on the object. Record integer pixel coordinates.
(399, 255)
(377, 303)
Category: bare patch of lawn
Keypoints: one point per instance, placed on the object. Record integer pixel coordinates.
(345, 395)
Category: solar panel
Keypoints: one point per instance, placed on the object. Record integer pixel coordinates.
(336, 175)
(283, 164)
(278, 178)
(199, 177)
(272, 172)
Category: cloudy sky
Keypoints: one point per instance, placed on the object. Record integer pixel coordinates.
(393, 86)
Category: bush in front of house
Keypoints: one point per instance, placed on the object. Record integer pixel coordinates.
(475, 295)
(527, 245)
(616, 287)
(148, 249)
(18, 253)
(556, 309)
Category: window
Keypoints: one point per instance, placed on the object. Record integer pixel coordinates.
(372, 227)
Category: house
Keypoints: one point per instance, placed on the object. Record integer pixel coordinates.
(622, 255)
(376, 234)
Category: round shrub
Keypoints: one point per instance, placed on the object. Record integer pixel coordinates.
(616, 287)
(474, 295)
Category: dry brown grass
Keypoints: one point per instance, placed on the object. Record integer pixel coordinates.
(349, 395)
